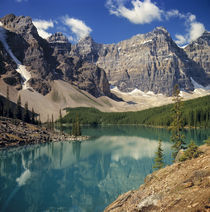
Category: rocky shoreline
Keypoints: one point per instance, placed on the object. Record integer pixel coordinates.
(183, 186)
(14, 133)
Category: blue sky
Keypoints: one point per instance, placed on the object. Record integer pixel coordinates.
(110, 21)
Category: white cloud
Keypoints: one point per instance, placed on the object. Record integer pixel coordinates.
(141, 13)
(145, 11)
(78, 27)
(42, 27)
(180, 39)
(174, 13)
(192, 18)
(19, 1)
(196, 30)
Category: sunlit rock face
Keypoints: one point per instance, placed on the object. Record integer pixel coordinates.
(46, 60)
(31, 50)
(148, 62)
(199, 51)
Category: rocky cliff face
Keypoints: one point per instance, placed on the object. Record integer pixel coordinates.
(199, 51)
(74, 69)
(47, 60)
(180, 187)
(149, 62)
(31, 50)
(59, 43)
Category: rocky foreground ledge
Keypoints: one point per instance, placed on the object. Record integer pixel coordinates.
(14, 132)
(183, 186)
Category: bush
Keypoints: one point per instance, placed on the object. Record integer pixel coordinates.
(192, 151)
(207, 141)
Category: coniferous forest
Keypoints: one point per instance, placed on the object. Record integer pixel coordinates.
(196, 113)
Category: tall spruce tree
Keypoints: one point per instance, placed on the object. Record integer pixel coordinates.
(7, 109)
(32, 116)
(18, 113)
(177, 127)
(26, 116)
(76, 129)
(60, 120)
(159, 157)
(52, 123)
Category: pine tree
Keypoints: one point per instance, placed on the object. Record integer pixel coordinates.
(76, 130)
(39, 122)
(60, 120)
(192, 151)
(18, 109)
(159, 157)
(26, 116)
(7, 112)
(177, 127)
(52, 123)
(32, 116)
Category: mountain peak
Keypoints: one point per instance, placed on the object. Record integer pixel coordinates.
(161, 29)
(58, 37)
(20, 24)
(87, 39)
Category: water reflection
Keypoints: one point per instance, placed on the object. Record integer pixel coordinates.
(79, 176)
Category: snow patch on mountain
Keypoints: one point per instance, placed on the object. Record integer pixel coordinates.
(197, 85)
(135, 92)
(21, 69)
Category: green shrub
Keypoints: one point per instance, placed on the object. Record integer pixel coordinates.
(207, 141)
(192, 151)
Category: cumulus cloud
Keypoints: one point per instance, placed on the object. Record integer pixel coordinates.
(181, 39)
(78, 27)
(141, 12)
(174, 13)
(194, 30)
(42, 27)
(146, 11)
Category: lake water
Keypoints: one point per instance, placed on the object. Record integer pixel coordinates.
(87, 176)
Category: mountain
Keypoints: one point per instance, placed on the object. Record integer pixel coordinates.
(52, 74)
(148, 62)
(46, 61)
(199, 51)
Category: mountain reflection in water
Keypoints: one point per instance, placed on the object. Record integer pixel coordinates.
(80, 176)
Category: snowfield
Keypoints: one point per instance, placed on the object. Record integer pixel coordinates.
(21, 69)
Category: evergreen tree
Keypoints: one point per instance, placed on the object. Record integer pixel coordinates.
(52, 123)
(18, 114)
(26, 116)
(159, 157)
(1, 107)
(7, 111)
(32, 116)
(39, 122)
(177, 127)
(76, 130)
(60, 120)
(192, 151)
(48, 122)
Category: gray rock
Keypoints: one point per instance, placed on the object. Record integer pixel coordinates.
(149, 62)
(199, 51)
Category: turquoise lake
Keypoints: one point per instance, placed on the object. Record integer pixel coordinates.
(82, 176)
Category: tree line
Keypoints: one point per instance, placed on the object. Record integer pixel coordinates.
(195, 113)
(11, 110)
